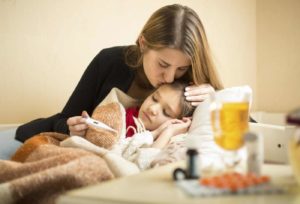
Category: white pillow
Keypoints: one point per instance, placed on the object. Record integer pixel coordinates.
(200, 134)
(201, 124)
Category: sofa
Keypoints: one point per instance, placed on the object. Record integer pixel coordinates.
(8, 144)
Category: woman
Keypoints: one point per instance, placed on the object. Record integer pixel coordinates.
(172, 45)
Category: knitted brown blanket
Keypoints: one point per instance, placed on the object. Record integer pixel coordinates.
(48, 171)
(41, 170)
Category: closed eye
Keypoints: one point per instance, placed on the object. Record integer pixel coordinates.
(182, 69)
(154, 99)
(163, 65)
(166, 114)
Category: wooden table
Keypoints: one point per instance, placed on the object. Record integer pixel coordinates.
(156, 186)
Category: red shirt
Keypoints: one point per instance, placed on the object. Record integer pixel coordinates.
(130, 112)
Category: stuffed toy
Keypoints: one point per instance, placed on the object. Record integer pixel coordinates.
(113, 115)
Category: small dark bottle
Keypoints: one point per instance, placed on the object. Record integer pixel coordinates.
(192, 171)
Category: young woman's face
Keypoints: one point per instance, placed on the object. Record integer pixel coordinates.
(165, 65)
(162, 105)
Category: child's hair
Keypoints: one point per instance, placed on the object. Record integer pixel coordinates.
(187, 108)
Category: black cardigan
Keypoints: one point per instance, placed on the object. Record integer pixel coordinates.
(107, 70)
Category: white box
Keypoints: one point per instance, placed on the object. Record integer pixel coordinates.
(276, 134)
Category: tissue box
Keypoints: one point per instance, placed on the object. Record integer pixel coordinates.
(275, 134)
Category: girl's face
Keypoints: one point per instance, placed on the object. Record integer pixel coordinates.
(162, 105)
(165, 65)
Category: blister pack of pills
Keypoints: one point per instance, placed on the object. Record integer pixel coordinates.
(228, 184)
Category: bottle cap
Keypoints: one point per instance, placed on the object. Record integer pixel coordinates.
(250, 137)
(294, 117)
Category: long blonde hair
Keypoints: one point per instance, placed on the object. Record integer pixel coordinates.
(178, 27)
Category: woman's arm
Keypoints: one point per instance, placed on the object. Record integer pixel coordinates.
(107, 70)
(85, 93)
(83, 97)
(102, 74)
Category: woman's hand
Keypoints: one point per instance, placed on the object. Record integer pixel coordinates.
(77, 124)
(197, 94)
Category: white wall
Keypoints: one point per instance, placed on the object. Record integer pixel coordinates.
(278, 55)
(47, 44)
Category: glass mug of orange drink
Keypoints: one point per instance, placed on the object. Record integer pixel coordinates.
(229, 111)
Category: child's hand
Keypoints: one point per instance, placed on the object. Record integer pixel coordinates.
(178, 126)
(162, 127)
(169, 129)
(77, 125)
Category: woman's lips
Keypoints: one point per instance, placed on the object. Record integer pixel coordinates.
(160, 83)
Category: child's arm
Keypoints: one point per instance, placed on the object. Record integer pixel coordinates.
(173, 127)
(161, 128)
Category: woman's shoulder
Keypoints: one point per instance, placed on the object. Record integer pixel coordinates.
(114, 52)
(112, 57)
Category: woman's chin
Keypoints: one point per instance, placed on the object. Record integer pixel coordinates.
(155, 85)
